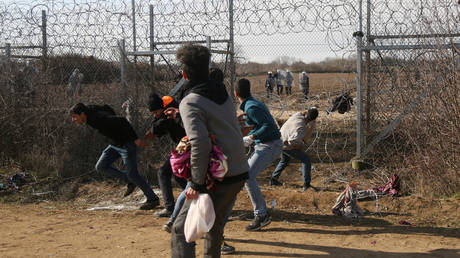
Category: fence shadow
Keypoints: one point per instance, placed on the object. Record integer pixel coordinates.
(329, 251)
(372, 225)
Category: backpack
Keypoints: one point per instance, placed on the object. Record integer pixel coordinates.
(342, 103)
(102, 109)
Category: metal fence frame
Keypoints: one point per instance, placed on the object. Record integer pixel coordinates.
(44, 46)
(363, 145)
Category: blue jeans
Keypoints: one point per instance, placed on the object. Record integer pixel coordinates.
(164, 180)
(305, 92)
(296, 154)
(264, 154)
(129, 155)
(179, 203)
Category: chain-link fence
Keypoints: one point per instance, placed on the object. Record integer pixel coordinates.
(411, 91)
(56, 53)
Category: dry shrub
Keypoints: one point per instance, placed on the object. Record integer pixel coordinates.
(425, 147)
(37, 134)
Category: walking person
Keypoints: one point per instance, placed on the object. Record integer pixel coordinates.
(268, 146)
(279, 82)
(295, 133)
(124, 143)
(304, 84)
(162, 125)
(206, 109)
(269, 84)
(289, 81)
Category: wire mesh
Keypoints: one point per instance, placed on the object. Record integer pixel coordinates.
(82, 63)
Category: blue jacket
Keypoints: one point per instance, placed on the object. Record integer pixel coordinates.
(258, 115)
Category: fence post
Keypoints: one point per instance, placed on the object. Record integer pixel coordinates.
(8, 53)
(359, 41)
(122, 50)
(152, 43)
(232, 47)
(208, 45)
(136, 88)
(368, 75)
(44, 41)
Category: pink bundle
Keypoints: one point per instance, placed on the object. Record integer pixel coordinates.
(180, 161)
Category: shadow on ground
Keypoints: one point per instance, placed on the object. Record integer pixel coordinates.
(329, 251)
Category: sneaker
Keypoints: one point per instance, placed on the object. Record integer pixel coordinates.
(150, 204)
(129, 189)
(226, 249)
(164, 213)
(168, 226)
(275, 182)
(259, 222)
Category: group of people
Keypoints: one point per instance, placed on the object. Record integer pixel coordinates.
(276, 80)
(201, 108)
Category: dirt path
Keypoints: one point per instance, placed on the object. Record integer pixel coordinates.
(54, 230)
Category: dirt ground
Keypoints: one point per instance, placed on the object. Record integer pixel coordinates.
(92, 219)
(98, 222)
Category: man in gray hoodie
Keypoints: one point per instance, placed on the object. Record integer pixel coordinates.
(206, 108)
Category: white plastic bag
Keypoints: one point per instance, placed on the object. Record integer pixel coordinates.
(200, 218)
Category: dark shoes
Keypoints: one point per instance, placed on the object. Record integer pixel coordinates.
(226, 249)
(164, 213)
(130, 189)
(150, 204)
(275, 182)
(259, 222)
(168, 226)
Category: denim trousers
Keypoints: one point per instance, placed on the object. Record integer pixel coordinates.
(305, 92)
(164, 179)
(264, 154)
(222, 199)
(286, 156)
(179, 203)
(128, 153)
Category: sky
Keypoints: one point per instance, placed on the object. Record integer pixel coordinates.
(305, 47)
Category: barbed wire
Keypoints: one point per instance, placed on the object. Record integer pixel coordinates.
(93, 27)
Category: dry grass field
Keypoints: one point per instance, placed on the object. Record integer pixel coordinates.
(89, 218)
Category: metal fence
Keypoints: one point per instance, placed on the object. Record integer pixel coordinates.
(128, 46)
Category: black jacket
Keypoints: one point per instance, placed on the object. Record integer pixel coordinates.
(116, 128)
(163, 125)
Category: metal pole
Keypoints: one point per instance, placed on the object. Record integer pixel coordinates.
(368, 74)
(232, 46)
(152, 44)
(133, 2)
(208, 44)
(135, 100)
(8, 52)
(122, 49)
(359, 40)
(44, 41)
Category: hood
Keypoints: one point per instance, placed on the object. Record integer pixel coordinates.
(211, 89)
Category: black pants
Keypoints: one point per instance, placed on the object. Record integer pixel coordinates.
(222, 199)
(279, 89)
(164, 179)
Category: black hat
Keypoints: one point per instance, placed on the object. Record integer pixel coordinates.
(155, 102)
